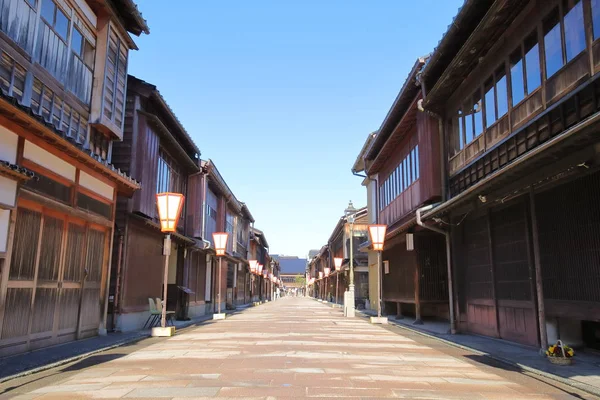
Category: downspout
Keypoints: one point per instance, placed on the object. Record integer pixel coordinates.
(446, 234)
(448, 261)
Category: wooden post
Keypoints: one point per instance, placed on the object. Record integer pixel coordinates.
(538, 272)
(492, 269)
(418, 320)
(399, 311)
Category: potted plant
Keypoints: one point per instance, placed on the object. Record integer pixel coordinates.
(560, 354)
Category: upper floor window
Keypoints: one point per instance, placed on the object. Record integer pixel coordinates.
(115, 79)
(51, 47)
(561, 48)
(596, 18)
(81, 66)
(55, 18)
(496, 97)
(405, 174)
(169, 177)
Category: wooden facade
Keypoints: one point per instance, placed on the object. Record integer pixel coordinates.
(404, 159)
(338, 245)
(58, 186)
(518, 99)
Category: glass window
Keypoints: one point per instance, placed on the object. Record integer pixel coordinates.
(401, 178)
(501, 93)
(48, 11)
(62, 24)
(77, 42)
(477, 114)
(406, 177)
(469, 124)
(490, 102)
(532, 63)
(516, 77)
(417, 162)
(552, 44)
(596, 18)
(574, 28)
(413, 164)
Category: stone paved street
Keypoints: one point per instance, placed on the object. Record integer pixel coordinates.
(289, 349)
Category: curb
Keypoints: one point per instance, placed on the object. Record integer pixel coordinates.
(565, 381)
(78, 357)
(73, 358)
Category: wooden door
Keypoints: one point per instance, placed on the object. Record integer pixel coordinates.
(478, 278)
(514, 274)
(44, 297)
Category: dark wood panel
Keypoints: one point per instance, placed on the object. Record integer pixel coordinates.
(148, 144)
(143, 267)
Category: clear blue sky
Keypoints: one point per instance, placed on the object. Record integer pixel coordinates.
(282, 94)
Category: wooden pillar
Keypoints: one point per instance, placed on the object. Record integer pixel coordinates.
(399, 311)
(418, 320)
(492, 269)
(538, 272)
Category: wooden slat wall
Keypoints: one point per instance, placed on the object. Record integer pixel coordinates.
(142, 269)
(425, 134)
(148, 144)
(194, 209)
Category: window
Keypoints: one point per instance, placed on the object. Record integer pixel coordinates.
(81, 66)
(477, 114)
(82, 48)
(490, 103)
(400, 178)
(516, 77)
(417, 171)
(115, 79)
(596, 18)
(55, 18)
(552, 43)
(532, 63)
(560, 49)
(169, 177)
(496, 97)
(574, 28)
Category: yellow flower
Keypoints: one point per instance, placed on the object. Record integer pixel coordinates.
(547, 352)
(570, 352)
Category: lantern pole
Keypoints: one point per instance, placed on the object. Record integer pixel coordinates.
(167, 247)
(219, 291)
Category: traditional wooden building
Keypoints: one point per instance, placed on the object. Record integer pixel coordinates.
(63, 68)
(403, 159)
(223, 212)
(259, 251)
(156, 149)
(513, 85)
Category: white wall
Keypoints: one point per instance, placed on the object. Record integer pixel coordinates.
(8, 145)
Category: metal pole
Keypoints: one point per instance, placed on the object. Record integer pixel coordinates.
(167, 247)
(219, 291)
(351, 286)
(378, 284)
(337, 284)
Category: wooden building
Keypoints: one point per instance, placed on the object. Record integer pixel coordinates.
(338, 245)
(156, 149)
(514, 86)
(223, 212)
(63, 68)
(403, 160)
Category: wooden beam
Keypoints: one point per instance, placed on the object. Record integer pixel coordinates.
(538, 272)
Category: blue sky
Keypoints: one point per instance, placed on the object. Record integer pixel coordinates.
(282, 94)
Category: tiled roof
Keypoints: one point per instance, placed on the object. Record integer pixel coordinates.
(110, 169)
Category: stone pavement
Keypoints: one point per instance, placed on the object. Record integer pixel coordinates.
(583, 373)
(289, 349)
